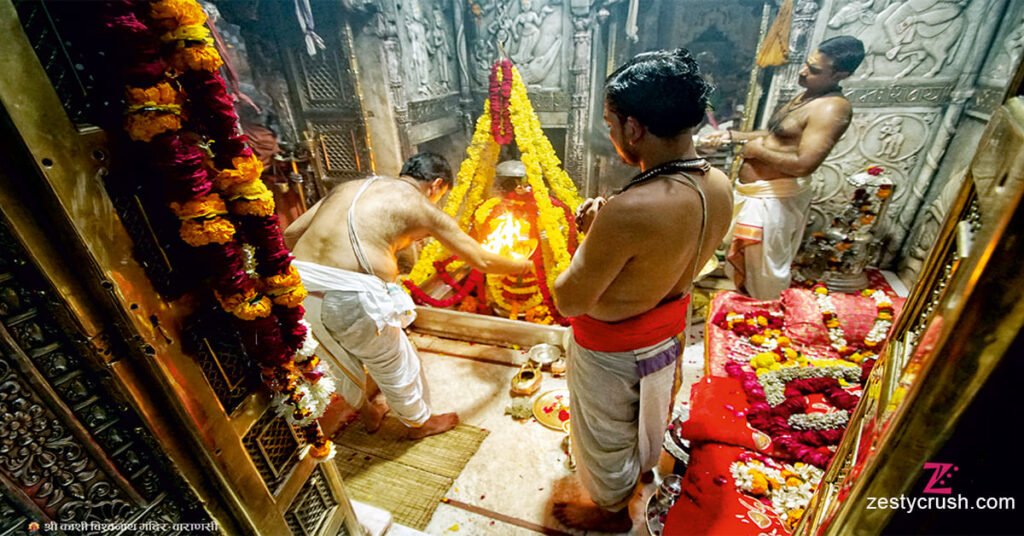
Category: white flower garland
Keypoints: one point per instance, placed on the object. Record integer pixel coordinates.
(774, 381)
(880, 330)
(819, 421)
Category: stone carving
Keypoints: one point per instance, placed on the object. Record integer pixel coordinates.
(428, 49)
(530, 32)
(416, 27)
(1006, 49)
(538, 45)
(893, 140)
(891, 136)
(925, 234)
(440, 50)
(897, 95)
(918, 32)
(804, 14)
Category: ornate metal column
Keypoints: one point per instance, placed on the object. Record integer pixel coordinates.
(576, 152)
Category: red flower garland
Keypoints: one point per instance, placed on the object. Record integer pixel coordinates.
(271, 333)
(499, 94)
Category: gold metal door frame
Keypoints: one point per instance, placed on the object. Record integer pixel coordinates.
(93, 268)
(969, 309)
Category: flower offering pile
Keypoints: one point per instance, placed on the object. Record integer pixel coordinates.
(533, 223)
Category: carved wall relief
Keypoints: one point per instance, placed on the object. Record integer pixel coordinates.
(532, 33)
(916, 38)
(892, 139)
(1002, 61)
(427, 34)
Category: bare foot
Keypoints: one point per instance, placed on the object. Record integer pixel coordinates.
(372, 414)
(589, 516)
(436, 424)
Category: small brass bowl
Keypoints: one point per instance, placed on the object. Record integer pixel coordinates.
(543, 354)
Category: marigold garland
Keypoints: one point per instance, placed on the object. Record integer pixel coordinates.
(266, 298)
(203, 232)
(554, 213)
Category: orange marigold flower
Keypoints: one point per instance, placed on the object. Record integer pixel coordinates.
(783, 341)
(248, 306)
(147, 125)
(174, 13)
(200, 207)
(197, 58)
(203, 232)
(253, 207)
(245, 169)
(159, 94)
(759, 484)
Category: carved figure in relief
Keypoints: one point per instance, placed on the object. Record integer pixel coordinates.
(526, 32)
(915, 30)
(891, 136)
(803, 22)
(544, 67)
(1010, 52)
(418, 40)
(440, 49)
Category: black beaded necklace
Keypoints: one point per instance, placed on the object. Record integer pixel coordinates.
(674, 166)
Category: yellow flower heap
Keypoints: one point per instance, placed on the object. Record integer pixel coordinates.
(476, 176)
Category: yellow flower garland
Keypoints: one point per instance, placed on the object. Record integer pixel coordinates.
(174, 13)
(476, 175)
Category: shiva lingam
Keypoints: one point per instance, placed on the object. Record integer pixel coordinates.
(530, 217)
(839, 254)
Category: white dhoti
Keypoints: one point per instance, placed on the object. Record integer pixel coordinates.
(620, 405)
(358, 320)
(767, 232)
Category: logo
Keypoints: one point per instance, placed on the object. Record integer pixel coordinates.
(941, 472)
(33, 526)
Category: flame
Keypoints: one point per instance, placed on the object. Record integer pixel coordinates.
(510, 237)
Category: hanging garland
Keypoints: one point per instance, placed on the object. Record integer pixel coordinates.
(499, 92)
(188, 130)
(508, 115)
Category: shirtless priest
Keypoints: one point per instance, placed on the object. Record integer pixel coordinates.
(626, 290)
(773, 194)
(346, 252)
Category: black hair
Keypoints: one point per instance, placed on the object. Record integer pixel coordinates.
(663, 90)
(427, 167)
(846, 52)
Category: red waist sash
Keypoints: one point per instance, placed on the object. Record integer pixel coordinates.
(645, 329)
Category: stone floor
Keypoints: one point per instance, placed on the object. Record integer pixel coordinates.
(521, 470)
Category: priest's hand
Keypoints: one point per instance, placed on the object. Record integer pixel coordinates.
(587, 211)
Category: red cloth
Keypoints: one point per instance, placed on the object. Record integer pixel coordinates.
(802, 323)
(645, 329)
(719, 416)
(710, 503)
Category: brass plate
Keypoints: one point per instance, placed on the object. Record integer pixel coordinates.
(556, 400)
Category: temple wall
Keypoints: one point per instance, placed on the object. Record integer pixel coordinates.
(1000, 63)
(911, 95)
